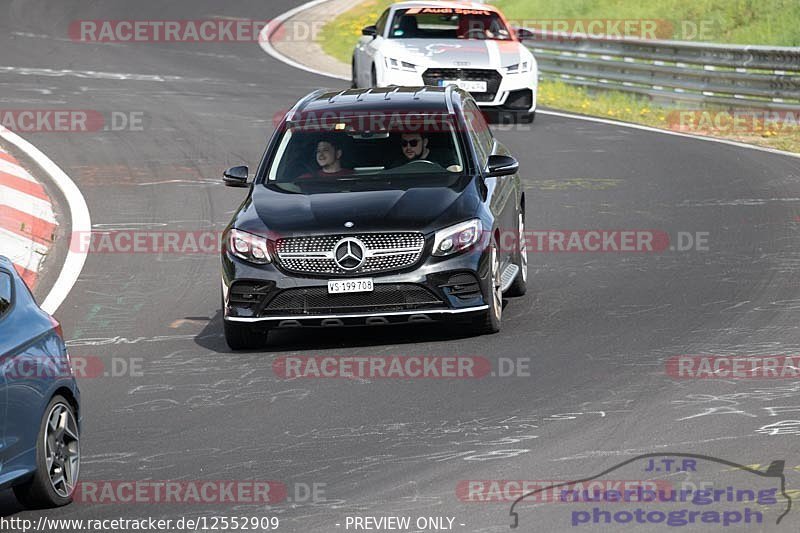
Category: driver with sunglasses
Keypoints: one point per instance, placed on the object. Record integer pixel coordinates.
(415, 148)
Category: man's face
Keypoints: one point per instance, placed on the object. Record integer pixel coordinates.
(413, 145)
(326, 154)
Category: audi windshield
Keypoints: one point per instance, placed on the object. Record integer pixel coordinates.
(448, 23)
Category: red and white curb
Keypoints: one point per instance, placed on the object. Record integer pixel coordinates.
(27, 221)
(20, 242)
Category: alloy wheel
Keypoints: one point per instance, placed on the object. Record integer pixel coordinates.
(62, 450)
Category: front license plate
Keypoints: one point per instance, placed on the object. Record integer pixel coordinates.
(469, 86)
(349, 285)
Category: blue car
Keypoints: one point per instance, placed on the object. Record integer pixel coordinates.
(39, 400)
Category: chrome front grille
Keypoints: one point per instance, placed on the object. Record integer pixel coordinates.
(383, 252)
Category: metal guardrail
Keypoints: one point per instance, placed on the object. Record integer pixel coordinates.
(727, 75)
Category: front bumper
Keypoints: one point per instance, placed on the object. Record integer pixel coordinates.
(361, 319)
(513, 90)
(435, 289)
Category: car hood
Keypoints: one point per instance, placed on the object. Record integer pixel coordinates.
(455, 53)
(424, 209)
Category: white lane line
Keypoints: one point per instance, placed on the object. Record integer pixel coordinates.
(81, 221)
(15, 170)
(36, 207)
(667, 132)
(269, 29)
(90, 74)
(21, 250)
(264, 41)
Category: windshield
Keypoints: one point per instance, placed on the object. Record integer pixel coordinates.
(448, 23)
(367, 152)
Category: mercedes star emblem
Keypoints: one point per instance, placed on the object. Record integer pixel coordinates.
(349, 254)
(348, 224)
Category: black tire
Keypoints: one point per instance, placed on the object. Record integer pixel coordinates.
(353, 77)
(244, 337)
(520, 284)
(374, 78)
(489, 321)
(39, 492)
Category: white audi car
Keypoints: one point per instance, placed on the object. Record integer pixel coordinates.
(442, 43)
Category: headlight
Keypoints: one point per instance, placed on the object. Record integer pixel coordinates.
(396, 64)
(457, 238)
(249, 247)
(520, 68)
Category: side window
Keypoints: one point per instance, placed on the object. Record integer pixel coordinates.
(5, 293)
(477, 131)
(381, 24)
(482, 129)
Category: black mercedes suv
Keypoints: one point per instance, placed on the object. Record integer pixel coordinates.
(372, 207)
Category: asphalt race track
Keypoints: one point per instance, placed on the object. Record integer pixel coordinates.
(597, 328)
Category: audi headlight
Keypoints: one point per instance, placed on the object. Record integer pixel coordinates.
(520, 68)
(457, 238)
(396, 64)
(248, 247)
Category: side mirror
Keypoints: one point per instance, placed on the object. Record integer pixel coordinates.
(235, 176)
(370, 31)
(524, 34)
(501, 165)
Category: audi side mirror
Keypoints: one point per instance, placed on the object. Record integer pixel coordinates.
(235, 176)
(370, 31)
(501, 165)
(524, 34)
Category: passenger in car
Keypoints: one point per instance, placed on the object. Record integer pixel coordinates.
(328, 155)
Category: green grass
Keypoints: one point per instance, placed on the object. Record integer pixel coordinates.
(772, 22)
(339, 36)
(768, 22)
(627, 107)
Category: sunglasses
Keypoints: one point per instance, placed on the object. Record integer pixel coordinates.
(413, 143)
